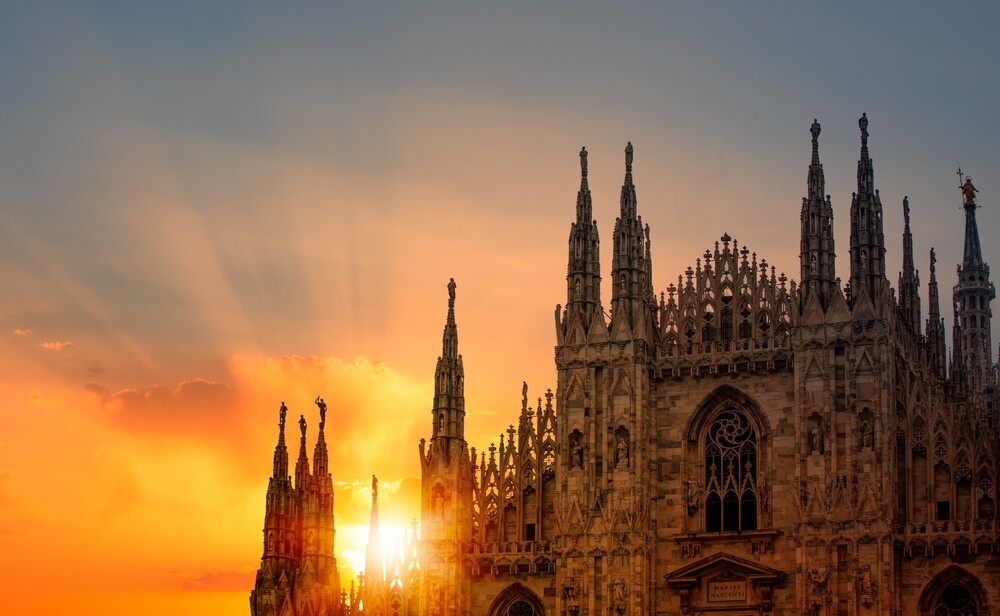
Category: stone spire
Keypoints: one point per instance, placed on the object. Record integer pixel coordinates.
(449, 383)
(937, 354)
(321, 458)
(280, 468)
(972, 297)
(909, 278)
(302, 464)
(867, 237)
(374, 561)
(632, 301)
(816, 254)
(583, 272)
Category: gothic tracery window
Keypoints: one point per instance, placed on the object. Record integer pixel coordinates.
(956, 600)
(730, 473)
(521, 608)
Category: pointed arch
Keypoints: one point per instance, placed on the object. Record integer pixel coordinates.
(948, 587)
(715, 402)
(516, 600)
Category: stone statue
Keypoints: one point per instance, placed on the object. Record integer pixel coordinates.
(302, 426)
(621, 452)
(867, 435)
(451, 290)
(618, 595)
(322, 412)
(817, 584)
(281, 415)
(969, 191)
(866, 587)
(374, 487)
(693, 495)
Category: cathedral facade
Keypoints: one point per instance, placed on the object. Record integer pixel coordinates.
(737, 444)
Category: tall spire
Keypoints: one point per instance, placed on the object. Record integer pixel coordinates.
(632, 300)
(867, 237)
(449, 384)
(320, 454)
(909, 279)
(302, 464)
(374, 565)
(937, 354)
(816, 253)
(972, 297)
(583, 271)
(280, 469)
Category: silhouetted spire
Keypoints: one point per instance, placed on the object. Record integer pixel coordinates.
(302, 464)
(628, 200)
(816, 253)
(937, 353)
(449, 384)
(280, 468)
(320, 455)
(909, 280)
(867, 238)
(374, 562)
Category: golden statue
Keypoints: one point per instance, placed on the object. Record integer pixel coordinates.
(969, 191)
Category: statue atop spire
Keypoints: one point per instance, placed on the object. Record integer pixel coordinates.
(628, 158)
(583, 161)
(969, 191)
(863, 125)
(451, 292)
(322, 412)
(281, 416)
(302, 426)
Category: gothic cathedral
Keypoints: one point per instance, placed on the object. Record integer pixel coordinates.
(738, 445)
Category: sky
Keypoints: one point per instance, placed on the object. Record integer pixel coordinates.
(208, 209)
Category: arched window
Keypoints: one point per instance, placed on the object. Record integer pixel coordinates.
(956, 600)
(731, 500)
(954, 592)
(516, 600)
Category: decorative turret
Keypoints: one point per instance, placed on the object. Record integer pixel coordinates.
(632, 300)
(909, 278)
(583, 272)
(937, 355)
(972, 296)
(816, 253)
(449, 384)
(375, 583)
(867, 237)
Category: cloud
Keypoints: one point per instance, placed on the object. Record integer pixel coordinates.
(21, 333)
(219, 581)
(194, 406)
(56, 346)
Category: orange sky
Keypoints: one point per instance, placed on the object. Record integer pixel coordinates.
(205, 214)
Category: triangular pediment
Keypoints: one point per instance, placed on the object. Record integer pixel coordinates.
(838, 311)
(722, 561)
(812, 313)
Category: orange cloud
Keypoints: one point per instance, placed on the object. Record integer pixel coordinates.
(56, 346)
(22, 332)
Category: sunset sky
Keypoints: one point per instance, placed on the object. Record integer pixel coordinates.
(209, 208)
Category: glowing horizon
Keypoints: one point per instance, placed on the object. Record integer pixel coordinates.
(209, 211)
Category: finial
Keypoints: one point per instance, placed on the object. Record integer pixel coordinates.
(583, 161)
(863, 124)
(451, 292)
(302, 426)
(628, 158)
(281, 415)
(322, 412)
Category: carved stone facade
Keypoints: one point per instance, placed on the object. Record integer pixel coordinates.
(738, 444)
